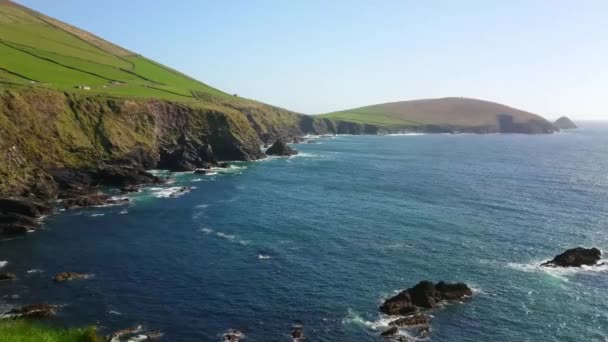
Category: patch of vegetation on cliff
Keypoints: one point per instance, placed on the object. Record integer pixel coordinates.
(22, 331)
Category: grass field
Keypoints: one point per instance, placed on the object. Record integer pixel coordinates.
(40, 51)
(451, 111)
(21, 331)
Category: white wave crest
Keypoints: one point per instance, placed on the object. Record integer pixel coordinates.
(411, 134)
(381, 324)
(34, 271)
(97, 215)
(3, 263)
(263, 257)
(225, 236)
(558, 272)
(170, 192)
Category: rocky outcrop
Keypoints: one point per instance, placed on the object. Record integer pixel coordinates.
(233, 335)
(575, 257)
(65, 276)
(93, 200)
(425, 295)
(507, 124)
(32, 311)
(280, 148)
(20, 215)
(411, 321)
(564, 123)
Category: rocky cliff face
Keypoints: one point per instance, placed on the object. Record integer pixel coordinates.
(43, 130)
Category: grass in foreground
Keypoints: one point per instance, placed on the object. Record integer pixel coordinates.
(22, 331)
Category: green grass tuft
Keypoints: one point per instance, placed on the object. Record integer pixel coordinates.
(22, 331)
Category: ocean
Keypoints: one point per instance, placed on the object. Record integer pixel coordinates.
(323, 237)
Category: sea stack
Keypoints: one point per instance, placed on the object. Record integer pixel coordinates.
(564, 123)
(575, 257)
(280, 148)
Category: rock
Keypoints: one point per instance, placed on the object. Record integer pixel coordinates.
(411, 320)
(7, 276)
(390, 332)
(17, 224)
(185, 155)
(233, 335)
(33, 311)
(65, 276)
(425, 295)
(311, 142)
(115, 336)
(200, 171)
(23, 206)
(129, 188)
(280, 148)
(91, 200)
(575, 257)
(564, 123)
(296, 140)
(298, 333)
(223, 165)
(72, 183)
(122, 176)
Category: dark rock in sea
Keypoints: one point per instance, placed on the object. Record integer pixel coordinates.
(117, 335)
(23, 206)
(311, 142)
(92, 200)
(17, 224)
(425, 295)
(575, 257)
(200, 171)
(390, 332)
(296, 140)
(122, 176)
(18, 215)
(129, 188)
(7, 276)
(280, 148)
(33, 311)
(65, 276)
(233, 335)
(298, 333)
(411, 320)
(564, 123)
(223, 165)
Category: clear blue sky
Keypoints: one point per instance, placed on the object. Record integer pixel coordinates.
(548, 57)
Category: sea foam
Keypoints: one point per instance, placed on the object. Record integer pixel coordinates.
(558, 272)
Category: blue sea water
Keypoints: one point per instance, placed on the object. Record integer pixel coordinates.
(323, 237)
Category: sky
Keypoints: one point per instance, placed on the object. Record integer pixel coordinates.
(312, 56)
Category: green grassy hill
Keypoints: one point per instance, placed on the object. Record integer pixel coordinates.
(40, 50)
(454, 113)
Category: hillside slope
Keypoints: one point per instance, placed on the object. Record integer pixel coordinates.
(71, 100)
(446, 114)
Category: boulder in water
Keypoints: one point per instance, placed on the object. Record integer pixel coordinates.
(33, 311)
(92, 200)
(233, 335)
(280, 148)
(65, 276)
(575, 257)
(425, 295)
(411, 321)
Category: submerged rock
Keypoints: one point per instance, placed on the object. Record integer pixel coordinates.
(33, 311)
(390, 332)
(575, 257)
(425, 295)
(65, 276)
(7, 276)
(233, 335)
(280, 148)
(115, 336)
(298, 333)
